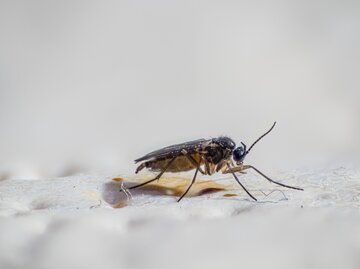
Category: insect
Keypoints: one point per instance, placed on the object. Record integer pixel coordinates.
(206, 156)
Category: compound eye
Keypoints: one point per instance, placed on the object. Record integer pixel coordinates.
(239, 154)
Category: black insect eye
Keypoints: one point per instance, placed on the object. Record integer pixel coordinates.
(239, 154)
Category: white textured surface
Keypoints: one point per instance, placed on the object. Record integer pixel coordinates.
(68, 223)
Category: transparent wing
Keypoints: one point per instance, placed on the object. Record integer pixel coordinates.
(173, 150)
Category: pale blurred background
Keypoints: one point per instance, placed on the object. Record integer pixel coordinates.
(92, 85)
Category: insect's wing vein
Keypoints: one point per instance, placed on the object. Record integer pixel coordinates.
(171, 151)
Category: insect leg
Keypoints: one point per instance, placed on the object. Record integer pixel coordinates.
(238, 169)
(238, 181)
(192, 160)
(157, 177)
(273, 181)
(206, 166)
(192, 182)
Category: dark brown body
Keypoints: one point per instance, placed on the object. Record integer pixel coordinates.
(209, 155)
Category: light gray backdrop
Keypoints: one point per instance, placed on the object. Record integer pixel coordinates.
(91, 85)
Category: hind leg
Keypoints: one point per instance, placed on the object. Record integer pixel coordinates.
(157, 177)
(192, 182)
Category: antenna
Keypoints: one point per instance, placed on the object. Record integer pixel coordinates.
(257, 140)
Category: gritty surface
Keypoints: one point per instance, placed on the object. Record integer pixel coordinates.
(84, 220)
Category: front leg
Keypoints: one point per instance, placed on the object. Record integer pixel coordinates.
(269, 179)
(236, 169)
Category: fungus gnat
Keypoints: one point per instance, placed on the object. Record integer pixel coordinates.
(206, 156)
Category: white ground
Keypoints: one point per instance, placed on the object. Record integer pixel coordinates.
(71, 223)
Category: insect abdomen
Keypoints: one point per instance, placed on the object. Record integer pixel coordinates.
(180, 164)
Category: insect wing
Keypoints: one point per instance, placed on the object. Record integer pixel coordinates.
(171, 151)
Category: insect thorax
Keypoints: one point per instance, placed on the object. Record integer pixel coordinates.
(216, 153)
